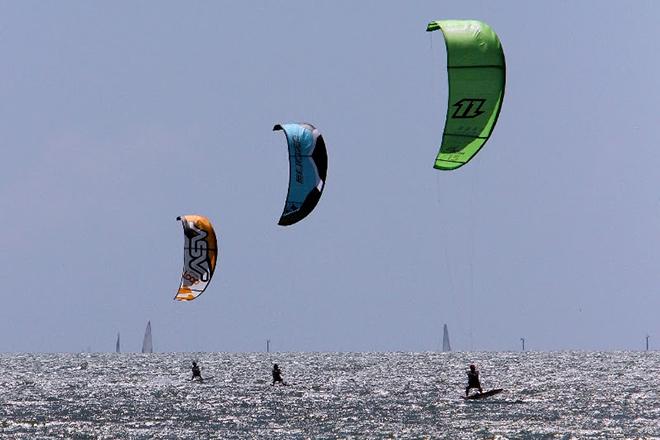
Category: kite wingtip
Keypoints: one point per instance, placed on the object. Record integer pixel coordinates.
(432, 26)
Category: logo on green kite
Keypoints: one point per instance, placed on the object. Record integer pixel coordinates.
(468, 108)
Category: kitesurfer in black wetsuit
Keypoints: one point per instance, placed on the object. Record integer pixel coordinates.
(277, 375)
(196, 372)
(473, 380)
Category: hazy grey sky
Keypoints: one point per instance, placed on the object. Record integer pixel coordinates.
(116, 117)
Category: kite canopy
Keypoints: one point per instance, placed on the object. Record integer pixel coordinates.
(477, 74)
(199, 256)
(308, 166)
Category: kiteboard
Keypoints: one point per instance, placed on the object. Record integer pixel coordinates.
(484, 395)
(202, 380)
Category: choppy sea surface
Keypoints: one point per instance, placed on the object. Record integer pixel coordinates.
(563, 395)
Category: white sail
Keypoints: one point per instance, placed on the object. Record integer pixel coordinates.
(147, 345)
(117, 350)
(446, 346)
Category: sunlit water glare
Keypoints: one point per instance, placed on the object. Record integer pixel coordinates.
(566, 395)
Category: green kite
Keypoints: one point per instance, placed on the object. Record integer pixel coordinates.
(477, 74)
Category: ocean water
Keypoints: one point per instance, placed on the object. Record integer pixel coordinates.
(563, 395)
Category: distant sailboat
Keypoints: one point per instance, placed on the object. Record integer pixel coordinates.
(446, 346)
(147, 344)
(117, 350)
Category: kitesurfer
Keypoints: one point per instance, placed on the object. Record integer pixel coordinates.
(473, 380)
(196, 371)
(277, 375)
